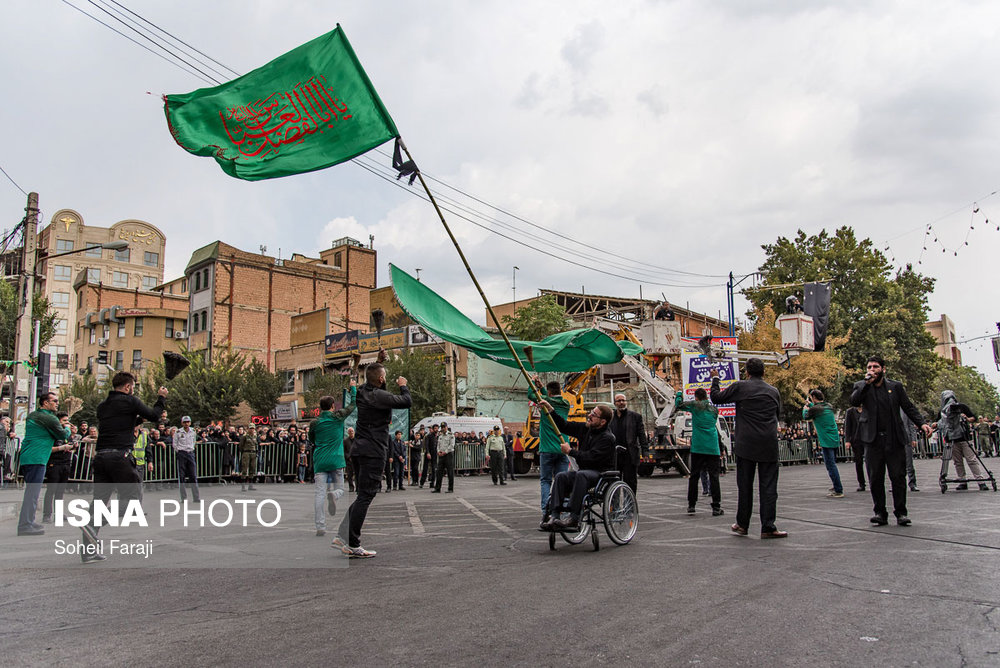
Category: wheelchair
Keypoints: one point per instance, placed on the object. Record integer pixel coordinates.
(611, 502)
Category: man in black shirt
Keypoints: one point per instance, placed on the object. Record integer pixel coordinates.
(881, 429)
(368, 454)
(114, 466)
(629, 432)
(756, 447)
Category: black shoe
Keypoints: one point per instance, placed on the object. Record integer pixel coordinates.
(903, 521)
(718, 511)
(450, 491)
(982, 488)
(861, 488)
(546, 524)
(571, 523)
(503, 483)
(435, 491)
(690, 510)
(421, 487)
(880, 520)
(963, 486)
(31, 531)
(47, 519)
(92, 558)
(914, 488)
(495, 482)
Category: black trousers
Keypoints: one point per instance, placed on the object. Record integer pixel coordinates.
(446, 464)
(746, 470)
(56, 476)
(510, 462)
(710, 463)
(881, 458)
(397, 474)
(628, 470)
(187, 473)
(573, 484)
(367, 479)
(114, 470)
(430, 466)
(415, 456)
(859, 461)
(497, 462)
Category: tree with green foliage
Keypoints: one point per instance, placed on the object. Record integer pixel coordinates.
(209, 389)
(425, 376)
(875, 310)
(87, 392)
(322, 385)
(537, 319)
(10, 308)
(261, 387)
(970, 387)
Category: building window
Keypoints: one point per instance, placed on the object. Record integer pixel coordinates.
(119, 360)
(204, 278)
(120, 279)
(64, 245)
(60, 324)
(61, 272)
(93, 335)
(168, 329)
(121, 329)
(151, 259)
(289, 378)
(107, 331)
(60, 299)
(307, 376)
(184, 285)
(197, 281)
(204, 320)
(136, 359)
(122, 255)
(139, 323)
(337, 258)
(94, 251)
(148, 282)
(56, 379)
(93, 275)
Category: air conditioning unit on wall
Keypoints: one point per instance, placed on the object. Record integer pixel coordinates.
(180, 334)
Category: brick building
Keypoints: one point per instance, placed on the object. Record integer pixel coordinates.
(945, 336)
(132, 326)
(246, 300)
(136, 268)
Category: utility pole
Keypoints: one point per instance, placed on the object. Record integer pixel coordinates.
(22, 346)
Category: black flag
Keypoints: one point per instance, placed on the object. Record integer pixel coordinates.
(816, 303)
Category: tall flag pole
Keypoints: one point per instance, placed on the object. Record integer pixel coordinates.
(309, 109)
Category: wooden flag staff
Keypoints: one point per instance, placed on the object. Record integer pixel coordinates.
(475, 281)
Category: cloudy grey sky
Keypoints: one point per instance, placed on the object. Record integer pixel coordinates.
(679, 135)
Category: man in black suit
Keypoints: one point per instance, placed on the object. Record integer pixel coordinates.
(881, 429)
(756, 447)
(629, 431)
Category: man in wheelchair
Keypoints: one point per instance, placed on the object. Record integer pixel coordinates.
(595, 454)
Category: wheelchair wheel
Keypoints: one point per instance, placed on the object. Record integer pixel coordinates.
(596, 541)
(552, 540)
(621, 513)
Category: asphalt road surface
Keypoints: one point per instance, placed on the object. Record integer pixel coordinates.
(466, 579)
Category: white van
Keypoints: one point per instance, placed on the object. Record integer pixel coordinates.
(461, 423)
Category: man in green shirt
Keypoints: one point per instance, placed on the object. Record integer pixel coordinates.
(41, 432)
(551, 460)
(705, 454)
(821, 414)
(326, 433)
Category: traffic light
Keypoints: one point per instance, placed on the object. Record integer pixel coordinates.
(102, 356)
(42, 374)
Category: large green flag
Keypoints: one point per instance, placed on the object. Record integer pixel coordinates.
(309, 109)
(576, 350)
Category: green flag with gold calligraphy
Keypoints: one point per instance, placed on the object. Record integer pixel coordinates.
(309, 109)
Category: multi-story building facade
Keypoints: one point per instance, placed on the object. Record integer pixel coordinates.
(134, 327)
(137, 268)
(944, 334)
(246, 300)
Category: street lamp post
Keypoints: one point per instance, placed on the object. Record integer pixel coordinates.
(513, 288)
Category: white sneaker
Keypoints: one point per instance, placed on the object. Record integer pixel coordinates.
(339, 544)
(359, 553)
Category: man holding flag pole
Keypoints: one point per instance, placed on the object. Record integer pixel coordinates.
(311, 108)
